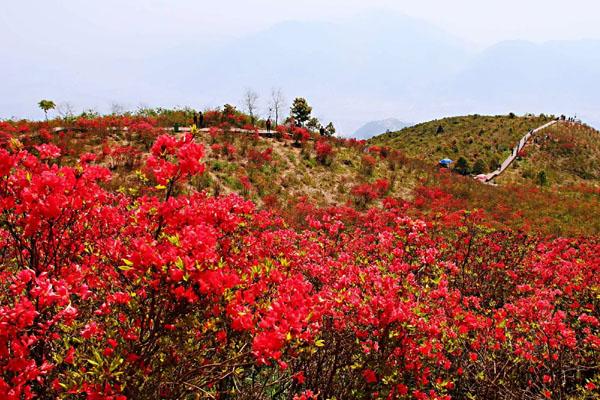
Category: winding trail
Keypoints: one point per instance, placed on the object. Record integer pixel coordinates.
(515, 151)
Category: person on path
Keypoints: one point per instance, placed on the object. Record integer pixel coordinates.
(200, 120)
(322, 131)
(268, 123)
(195, 119)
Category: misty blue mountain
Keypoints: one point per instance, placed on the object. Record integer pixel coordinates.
(363, 69)
(374, 128)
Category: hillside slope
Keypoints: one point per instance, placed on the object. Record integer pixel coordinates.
(565, 153)
(474, 137)
(282, 172)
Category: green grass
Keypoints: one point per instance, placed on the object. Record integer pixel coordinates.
(474, 137)
(567, 154)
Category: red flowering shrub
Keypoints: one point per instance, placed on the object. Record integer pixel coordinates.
(324, 151)
(145, 131)
(177, 295)
(122, 156)
(260, 158)
(227, 150)
(365, 193)
(245, 181)
(382, 186)
(299, 135)
(172, 159)
(368, 164)
(281, 132)
(374, 149)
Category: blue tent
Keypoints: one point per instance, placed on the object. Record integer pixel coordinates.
(446, 162)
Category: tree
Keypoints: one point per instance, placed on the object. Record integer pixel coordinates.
(250, 102)
(117, 109)
(277, 102)
(300, 110)
(462, 166)
(46, 105)
(228, 109)
(478, 167)
(313, 124)
(65, 110)
(330, 129)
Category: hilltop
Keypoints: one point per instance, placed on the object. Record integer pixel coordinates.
(474, 137)
(566, 153)
(298, 166)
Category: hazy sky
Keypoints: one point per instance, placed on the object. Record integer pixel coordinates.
(139, 21)
(79, 50)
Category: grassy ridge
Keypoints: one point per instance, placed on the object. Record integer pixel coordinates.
(474, 137)
(568, 154)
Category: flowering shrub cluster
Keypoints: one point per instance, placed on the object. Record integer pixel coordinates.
(299, 134)
(324, 151)
(368, 163)
(171, 293)
(260, 158)
(227, 150)
(366, 192)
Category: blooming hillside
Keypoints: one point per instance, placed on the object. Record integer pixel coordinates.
(140, 283)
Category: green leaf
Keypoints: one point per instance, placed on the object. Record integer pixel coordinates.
(94, 363)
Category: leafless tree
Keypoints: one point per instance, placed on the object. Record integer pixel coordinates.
(117, 109)
(277, 102)
(65, 110)
(250, 103)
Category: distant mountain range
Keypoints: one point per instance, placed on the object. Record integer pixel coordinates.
(375, 128)
(353, 71)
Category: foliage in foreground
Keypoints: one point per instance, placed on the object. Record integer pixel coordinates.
(170, 293)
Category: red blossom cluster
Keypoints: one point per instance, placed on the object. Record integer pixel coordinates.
(368, 163)
(174, 294)
(299, 134)
(367, 192)
(227, 150)
(172, 159)
(260, 158)
(324, 151)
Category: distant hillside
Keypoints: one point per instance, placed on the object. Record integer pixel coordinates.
(373, 128)
(474, 137)
(564, 153)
